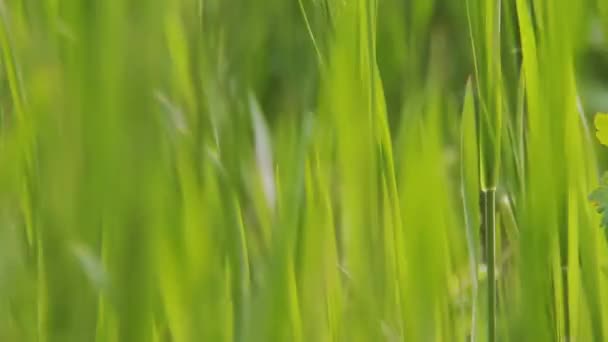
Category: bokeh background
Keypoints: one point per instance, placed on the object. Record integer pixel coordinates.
(301, 170)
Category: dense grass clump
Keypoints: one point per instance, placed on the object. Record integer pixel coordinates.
(303, 170)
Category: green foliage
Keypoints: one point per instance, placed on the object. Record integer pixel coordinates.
(601, 125)
(310, 170)
(599, 197)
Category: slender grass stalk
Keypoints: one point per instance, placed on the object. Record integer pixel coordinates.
(489, 203)
(484, 27)
(311, 35)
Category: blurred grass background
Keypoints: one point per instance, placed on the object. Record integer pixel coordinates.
(301, 170)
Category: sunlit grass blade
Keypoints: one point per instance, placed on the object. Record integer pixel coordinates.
(469, 184)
